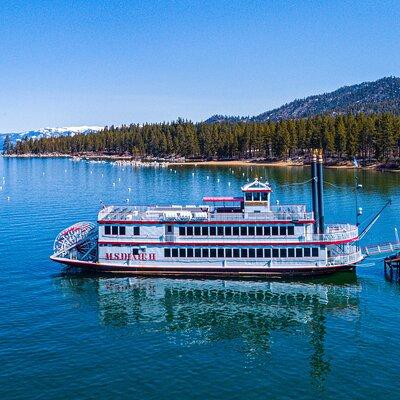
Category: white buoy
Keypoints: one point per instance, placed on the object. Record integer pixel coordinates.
(218, 180)
(119, 179)
(127, 200)
(42, 173)
(8, 198)
(192, 173)
(102, 175)
(91, 172)
(129, 189)
(113, 183)
(208, 177)
(229, 184)
(1, 187)
(65, 170)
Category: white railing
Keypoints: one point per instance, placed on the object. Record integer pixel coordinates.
(333, 233)
(344, 259)
(159, 213)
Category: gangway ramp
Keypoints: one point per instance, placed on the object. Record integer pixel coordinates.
(381, 248)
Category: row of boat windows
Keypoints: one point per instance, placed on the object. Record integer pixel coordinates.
(120, 230)
(256, 196)
(241, 253)
(236, 230)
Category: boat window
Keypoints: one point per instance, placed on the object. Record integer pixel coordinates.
(315, 252)
(259, 253)
(274, 230)
(252, 253)
(267, 253)
(213, 253)
(189, 252)
(228, 231)
(267, 231)
(122, 230)
(220, 230)
(243, 253)
(213, 230)
(221, 253)
(174, 252)
(291, 252)
(197, 230)
(264, 196)
(114, 230)
(197, 252)
(107, 230)
(290, 230)
(248, 196)
(136, 230)
(204, 231)
(256, 196)
(243, 230)
(235, 231)
(307, 252)
(169, 228)
(135, 252)
(236, 253)
(167, 252)
(251, 231)
(182, 252)
(189, 231)
(205, 253)
(283, 231)
(182, 231)
(283, 253)
(299, 252)
(259, 231)
(275, 252)
(228, 253)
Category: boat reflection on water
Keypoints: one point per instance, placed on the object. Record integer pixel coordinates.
(217, 310)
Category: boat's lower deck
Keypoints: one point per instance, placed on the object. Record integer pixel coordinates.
(191, 270)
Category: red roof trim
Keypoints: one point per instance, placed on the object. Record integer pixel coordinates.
(241, 222)
(163, 244)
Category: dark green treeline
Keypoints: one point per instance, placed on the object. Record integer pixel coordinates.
(368, 137)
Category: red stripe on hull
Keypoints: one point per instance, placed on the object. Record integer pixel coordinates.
(244, 222)
(229, 243)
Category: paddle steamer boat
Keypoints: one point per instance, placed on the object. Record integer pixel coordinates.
(244, 236)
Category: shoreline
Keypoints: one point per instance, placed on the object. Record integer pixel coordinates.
(128, 160)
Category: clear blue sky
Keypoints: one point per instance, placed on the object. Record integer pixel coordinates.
(103, 62)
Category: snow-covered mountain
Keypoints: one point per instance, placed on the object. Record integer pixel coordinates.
(50, 132)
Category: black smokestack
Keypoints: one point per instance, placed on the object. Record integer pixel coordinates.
(314, 190)
(320, 177)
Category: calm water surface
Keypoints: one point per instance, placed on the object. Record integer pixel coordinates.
(73, 336)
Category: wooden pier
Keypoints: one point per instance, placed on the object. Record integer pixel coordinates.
(392, 267)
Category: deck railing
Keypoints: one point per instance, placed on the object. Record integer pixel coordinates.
(277, 213)
(344, 259)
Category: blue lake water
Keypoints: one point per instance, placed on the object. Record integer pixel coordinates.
(72, 336)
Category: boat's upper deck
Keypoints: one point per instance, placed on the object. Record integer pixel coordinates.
(204, 213)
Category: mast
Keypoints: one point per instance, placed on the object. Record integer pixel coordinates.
(320, 177)
(314, 189)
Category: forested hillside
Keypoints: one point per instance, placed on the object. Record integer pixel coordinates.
(368, 137)
(379, 96)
